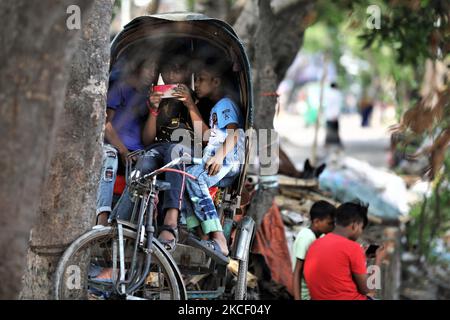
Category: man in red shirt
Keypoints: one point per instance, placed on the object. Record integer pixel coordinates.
(335, 265)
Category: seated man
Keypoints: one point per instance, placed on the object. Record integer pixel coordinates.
(335, 265)
(125, 117)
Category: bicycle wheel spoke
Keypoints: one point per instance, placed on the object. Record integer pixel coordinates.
(91, 269)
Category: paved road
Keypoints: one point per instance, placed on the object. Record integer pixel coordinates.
(367, 144)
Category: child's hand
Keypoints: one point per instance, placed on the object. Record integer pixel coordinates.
(155, 99)
(183, 94)
(214, 164)
(380, 254)
(123, 153)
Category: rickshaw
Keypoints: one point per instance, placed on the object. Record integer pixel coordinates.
(141, 266)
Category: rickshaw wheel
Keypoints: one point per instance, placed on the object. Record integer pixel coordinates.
(94, 250)
(240, 292)
(241, 284)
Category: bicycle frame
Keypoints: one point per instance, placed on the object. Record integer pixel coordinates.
(145, 189)
(144, 229)
(146, 194)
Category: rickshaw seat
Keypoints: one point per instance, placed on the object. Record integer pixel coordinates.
(119, 185)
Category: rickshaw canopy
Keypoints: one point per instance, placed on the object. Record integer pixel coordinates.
(146, 30)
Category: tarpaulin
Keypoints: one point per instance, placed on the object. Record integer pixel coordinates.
(270, 242)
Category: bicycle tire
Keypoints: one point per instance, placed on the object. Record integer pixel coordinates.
(241, 283)
(93, 237)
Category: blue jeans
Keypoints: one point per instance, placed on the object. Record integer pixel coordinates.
(157, 156)
(108, 178)
(203, 212)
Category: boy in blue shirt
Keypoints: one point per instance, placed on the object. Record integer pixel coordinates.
(221, 160)
(126, 114)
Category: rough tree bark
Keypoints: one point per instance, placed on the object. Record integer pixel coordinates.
(69, 195)
(35, 47)
(272, 33)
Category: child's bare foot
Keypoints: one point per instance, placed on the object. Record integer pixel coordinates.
(219, 238)
(105, 274)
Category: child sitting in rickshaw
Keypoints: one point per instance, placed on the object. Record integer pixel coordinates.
(222, 158)
(126, 114)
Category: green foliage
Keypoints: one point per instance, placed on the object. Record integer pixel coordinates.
(415, 29)
(411, 32)
(191, 5)
(116, 8)
(431, 217)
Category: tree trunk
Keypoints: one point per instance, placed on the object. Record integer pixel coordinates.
(391, 268)
(69, 195)
(272, 36)
(35, 48)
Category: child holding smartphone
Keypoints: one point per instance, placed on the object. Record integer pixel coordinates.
(222, 158)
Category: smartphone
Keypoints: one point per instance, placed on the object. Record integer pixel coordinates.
(371, 250)
(167, 90)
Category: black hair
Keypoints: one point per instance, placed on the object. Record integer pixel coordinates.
(175, 62)
(350, 212)
(133, 59)
(177, 52)
(216, 66)
(321, 209)
(217, 62)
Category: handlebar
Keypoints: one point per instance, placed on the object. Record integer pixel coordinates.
(185, 158)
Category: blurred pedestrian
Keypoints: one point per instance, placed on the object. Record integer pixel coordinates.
(366, 109)
(333, 103)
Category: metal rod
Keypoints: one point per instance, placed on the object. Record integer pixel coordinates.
(122, 258)
(149, 230)
(114, 275)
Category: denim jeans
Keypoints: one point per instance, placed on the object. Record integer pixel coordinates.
(203, 212)
(157, 156)
(108, 178)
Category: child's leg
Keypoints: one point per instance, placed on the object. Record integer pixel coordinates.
(203, 205)
(172, 198)
(192, 223)
(147, 163)
(204, 209)
(106, 183)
